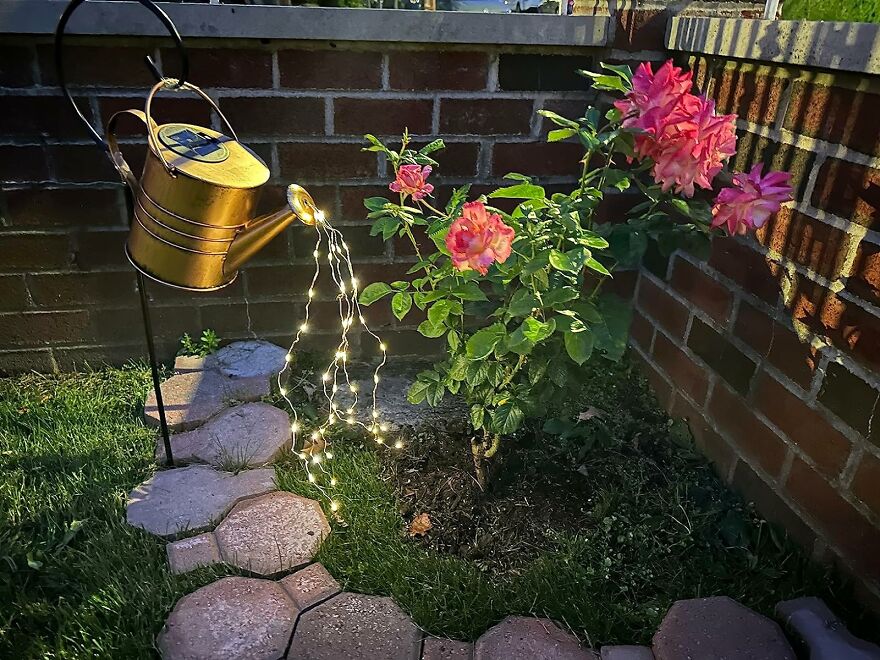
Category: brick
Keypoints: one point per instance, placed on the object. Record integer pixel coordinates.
(13, 293)
(542, 72)
(100, 249)
(317, 162)
(665, 309)
(486, 116)
(403, 343)
(458, 159)
(734, 416)
(382, 116)
(848, 529)
(745, 267)
(81, 289)
(226, 67)
(64, 207)
(39, 328)
(706, 439)
(282, 280)
(330, 69)
(27, 164)
(750, 95)
(848, 190)
(30, 252)
(865, 480)
(351, 200)
(164, 109)
(754, 327)
(794, 357)
(700, 289)
(568, 108)
(805, 427)
(722, 356)
(864, 281)
(274, 197)
(615, 207)
(640, 29)
(85, 163)
(425, 70)
(752, 148)
(107, 326)
(835, 114)
(537, 158)
(20, 361)
(849, 397)
(16, 66)
(106, 66)
(265, 116)
(169, 296)
(688, 376)
(768, 502)
(641, 331)
(659, 385)
(807, 241)
(41, 116)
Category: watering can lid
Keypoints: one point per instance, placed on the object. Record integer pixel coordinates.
(207, 155)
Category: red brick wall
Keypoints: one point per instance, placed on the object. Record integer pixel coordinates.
(67, 294)
(771, 349)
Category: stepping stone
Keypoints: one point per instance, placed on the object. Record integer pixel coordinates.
(193, 397)
(189, 554)
(718, 627)
(820, 634)
(245, 436)
(529, 638)
(436, 648)
(249, 359)
(192, 499)
(234, 618)
(625, 652)
(273, 533)
(310, 585)
(356, 627)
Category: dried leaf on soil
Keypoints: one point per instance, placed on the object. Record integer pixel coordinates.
(420, 525)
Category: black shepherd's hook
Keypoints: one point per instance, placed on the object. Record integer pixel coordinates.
(59, 59)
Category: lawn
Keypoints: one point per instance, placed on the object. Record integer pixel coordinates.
(649, 524)
(860, 11)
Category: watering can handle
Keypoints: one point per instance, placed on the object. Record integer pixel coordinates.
(116, 156)
(171, 83)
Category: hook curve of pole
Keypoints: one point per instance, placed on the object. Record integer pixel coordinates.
(59, 60)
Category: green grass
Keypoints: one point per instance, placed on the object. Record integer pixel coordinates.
(77, 582)
(859, 11)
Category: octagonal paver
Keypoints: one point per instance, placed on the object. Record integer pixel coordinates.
(249, 359)
(248, 435)
(191, 398)
(192, 499)
(436, 648)
(189, 554)
(718, 627)
(529, 638)
(310, 585)
(232, 619)
(356, 627)
(272, 533)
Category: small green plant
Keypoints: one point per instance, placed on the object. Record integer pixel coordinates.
(206, 344)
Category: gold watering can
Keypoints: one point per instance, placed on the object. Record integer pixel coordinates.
(193, 205)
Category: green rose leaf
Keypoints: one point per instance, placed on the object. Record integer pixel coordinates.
(374, 292)
(562, 261)
(401, 303)
(483, 342)
(579, 345)
(561, 134)
(428, 329)
(522, 303)
(477, 415)
(507, 418)
(439, 311)
(598, 267)
(519, 191)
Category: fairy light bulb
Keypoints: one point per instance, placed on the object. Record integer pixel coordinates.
(333, 481)
(398, 444)
(375, 378)
(335, 388)
(302, 456)
(383, 427)
(289, 356)
(375, 414)
(354, 282)
(304, 327)
(325, 376)
(380, 440)
(316, 459)
(311, 293)
(283, 391)
(316, 254)
(353, 387)
(311, 478)
(334, 505)
(383, 347)
(315, 435)
(328, 455)
(295, 427)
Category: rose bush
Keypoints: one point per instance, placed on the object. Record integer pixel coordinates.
(518, 296)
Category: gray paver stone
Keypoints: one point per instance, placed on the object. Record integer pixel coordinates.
(233, 618)
(356, 627)
(820, 634)
(716, 628)
(248, 359)
(247, 435)
(192, 499)
(193, 397)
(529, 638)
(625, 652)
(436, 648)
(188, 554)
(186, 363)
(310, 585)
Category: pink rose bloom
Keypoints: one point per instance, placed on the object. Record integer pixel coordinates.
(693, 145)
(478, 239)
(411, 181)
(751, 201)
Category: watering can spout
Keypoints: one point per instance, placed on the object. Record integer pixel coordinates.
(260, 231)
